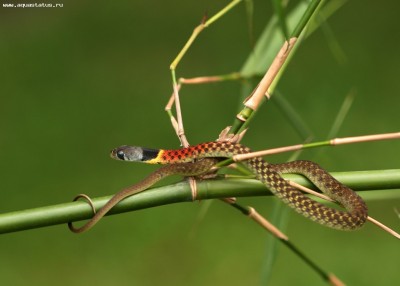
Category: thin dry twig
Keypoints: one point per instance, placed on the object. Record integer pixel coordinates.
(261, 90)
(254, 215)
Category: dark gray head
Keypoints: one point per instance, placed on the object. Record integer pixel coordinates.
(127, 153)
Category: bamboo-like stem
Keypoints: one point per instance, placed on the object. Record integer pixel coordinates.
(332, 142)
(271, 77)
(181, 192)
(254, 101)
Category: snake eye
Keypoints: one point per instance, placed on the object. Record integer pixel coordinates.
(121, 155)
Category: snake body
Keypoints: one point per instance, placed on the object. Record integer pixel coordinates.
(198, 159)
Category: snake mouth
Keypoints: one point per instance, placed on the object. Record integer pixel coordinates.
(113, 154)
(117, 154)
(121, 153)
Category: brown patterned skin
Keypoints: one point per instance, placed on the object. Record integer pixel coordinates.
(183, 162)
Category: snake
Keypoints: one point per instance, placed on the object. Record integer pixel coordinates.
(199, 159)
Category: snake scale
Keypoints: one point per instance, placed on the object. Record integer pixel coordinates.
(189, 162)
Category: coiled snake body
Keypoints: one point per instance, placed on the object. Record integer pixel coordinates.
(189, 162)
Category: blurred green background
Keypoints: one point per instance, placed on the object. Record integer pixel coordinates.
(76, 82)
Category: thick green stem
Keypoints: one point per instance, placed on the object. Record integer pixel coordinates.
(180, 192)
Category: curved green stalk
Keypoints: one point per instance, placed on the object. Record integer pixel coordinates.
(180, 192)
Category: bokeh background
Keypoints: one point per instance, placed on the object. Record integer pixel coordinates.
(80, 80)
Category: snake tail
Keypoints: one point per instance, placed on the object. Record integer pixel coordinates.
(182, 169)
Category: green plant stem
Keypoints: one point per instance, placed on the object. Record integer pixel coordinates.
(180, 192)
(312, 8)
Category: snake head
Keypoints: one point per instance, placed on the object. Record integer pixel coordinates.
(127, 153)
